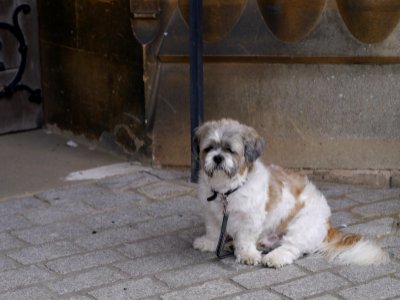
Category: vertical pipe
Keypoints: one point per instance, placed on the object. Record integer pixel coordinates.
(196, 80)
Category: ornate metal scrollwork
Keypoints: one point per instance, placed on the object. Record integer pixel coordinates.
(15, 85)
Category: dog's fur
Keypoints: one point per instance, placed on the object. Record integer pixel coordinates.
(272, 208)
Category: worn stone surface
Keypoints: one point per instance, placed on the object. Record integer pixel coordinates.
(378, 289)
(8, 242)
(375, 228)
(311, 285)
(51, 233)
(44, 252)
(7, 264)
(208, 290)
(359, 274)
(84, 261)
(314, 263)
(133, 289)
(266, 277)
(33, 293)
(388, 207)
(62, 246)
(23, 277)
(82, 281)
(164, 190)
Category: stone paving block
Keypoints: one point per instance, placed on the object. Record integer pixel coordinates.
(84, 261)
(314, 263)
(265, 277)
(9, 242)
(383, 208)
(71, 193)
(14, 206)
(162, 226)
(158, 263)
(208, 290)
(258, 295)
(343, 218)
(168, 174)
(163, 244)
(165, 190)
(107, 199)
(395, 252)
(31, 293)
(390, 241)
(182, 205)
(59, 211)
(133, 289)
(326, 297)
(129, 181)
(44, 252)
(12, 222)
(51, 233)
(360, 274)
(153, 238)
(78, 298)
(311, 285)
(22, 277)
(375, 228)
(378, 289)
(341, 203)
(195, 274)
(372, 195)
(332, 190)
(110, 238)
(7, 264)
(115, 218)
(86, 280)
(93, 195)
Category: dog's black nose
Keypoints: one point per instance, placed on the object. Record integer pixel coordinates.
(218, 159)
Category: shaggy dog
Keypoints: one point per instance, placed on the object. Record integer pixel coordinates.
(268, 207)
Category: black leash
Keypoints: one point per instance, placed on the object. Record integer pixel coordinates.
(222, 237)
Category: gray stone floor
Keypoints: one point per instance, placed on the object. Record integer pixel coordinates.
(129, 237)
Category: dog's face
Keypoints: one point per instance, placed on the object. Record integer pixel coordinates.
(227, 147)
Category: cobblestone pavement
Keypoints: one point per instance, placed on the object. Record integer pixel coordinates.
(129, 237)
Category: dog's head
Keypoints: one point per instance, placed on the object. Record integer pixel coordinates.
(227, 147)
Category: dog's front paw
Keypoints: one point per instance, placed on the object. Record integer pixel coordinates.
(252, 258)
(204, 244)
(277, 258)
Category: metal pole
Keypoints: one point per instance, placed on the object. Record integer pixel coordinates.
(196, 79)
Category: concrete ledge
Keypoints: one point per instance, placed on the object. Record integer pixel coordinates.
(395, 179)
(372, 178)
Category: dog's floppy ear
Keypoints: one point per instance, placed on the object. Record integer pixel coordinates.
(199, 135)
(253, 144)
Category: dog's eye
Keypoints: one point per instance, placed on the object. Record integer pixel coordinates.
(229, 149)
(208, 149)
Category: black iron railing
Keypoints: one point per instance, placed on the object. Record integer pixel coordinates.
(9, 89)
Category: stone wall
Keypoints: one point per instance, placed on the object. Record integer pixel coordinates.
(326, 98)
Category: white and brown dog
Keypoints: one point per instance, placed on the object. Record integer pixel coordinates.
(268, 207)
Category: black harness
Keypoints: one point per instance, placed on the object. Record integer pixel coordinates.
(222, 237)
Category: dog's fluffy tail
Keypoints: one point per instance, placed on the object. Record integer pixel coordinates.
(351, 248)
